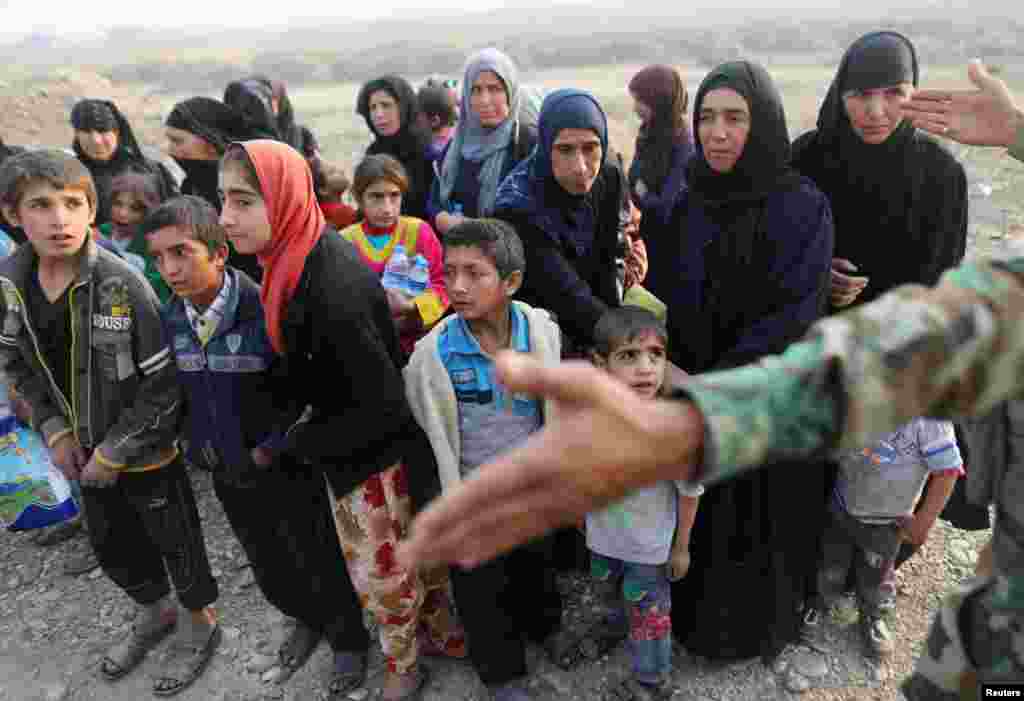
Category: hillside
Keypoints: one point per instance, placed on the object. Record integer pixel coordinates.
(200, 59)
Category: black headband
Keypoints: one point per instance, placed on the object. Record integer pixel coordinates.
(93, 115)
(879, 60)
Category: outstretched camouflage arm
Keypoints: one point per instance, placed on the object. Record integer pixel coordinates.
(951, 350)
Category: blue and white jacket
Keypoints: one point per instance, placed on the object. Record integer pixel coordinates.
(228, 384)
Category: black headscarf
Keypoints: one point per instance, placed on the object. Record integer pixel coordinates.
(211, 120)
(878, 60)
(103, 116)
(254, 97)
(412, 138)
(734, 199)
(217, 124)
(899, 206)
(409, 144)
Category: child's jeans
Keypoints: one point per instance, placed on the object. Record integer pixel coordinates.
(642, 594)
(870, 550)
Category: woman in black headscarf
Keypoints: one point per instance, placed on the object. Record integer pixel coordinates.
(265, 103)
(198, 132)
(745, 274)
(105, 143)
(391, 112)
(899, 198)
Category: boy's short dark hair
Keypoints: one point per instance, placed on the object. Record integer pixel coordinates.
(58, 168)
(438, 101)
(192, 214)
(497, 240)
(623, 324)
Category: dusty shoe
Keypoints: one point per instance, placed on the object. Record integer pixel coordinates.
(877, 637)
(153, 624)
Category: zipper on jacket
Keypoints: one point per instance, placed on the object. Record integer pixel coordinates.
(209, 452)
(71, 356)
(88, 369)
(68, 409)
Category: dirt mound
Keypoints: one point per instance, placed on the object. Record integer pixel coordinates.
(36, 113)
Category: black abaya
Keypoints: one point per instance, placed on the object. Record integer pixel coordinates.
(744, 274)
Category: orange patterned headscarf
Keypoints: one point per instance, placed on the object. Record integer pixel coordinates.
(296, 223)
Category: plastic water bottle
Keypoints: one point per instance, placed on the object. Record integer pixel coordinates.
(396, 272)
(419, 278)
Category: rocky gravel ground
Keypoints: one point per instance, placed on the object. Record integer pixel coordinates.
(54, 629)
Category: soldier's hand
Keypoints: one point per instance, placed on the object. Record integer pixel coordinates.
(987, 116)
(601, 442)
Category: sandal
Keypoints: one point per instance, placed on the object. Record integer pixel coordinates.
(632, 690)
(422, 678)
(185, 663)
(126, 655)
(296, 650)
(343, 683)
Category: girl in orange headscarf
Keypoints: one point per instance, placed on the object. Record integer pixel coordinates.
(328, 317)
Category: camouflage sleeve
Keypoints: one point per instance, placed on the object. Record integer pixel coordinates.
(954, 349)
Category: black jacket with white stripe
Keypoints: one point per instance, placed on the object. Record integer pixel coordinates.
(123, 402)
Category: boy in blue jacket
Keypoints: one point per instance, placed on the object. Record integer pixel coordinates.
(226, 367)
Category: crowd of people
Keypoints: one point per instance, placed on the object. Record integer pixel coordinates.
(340, 367)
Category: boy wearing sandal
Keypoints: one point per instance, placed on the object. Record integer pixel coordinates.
(469, 419)
(632, 552)
(235, 424)
(81, 342)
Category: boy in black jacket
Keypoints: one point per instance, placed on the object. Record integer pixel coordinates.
(235, 426)
(81, 342)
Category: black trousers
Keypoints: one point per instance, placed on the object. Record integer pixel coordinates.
(504, 603)
(283, 521)
(145, 522)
